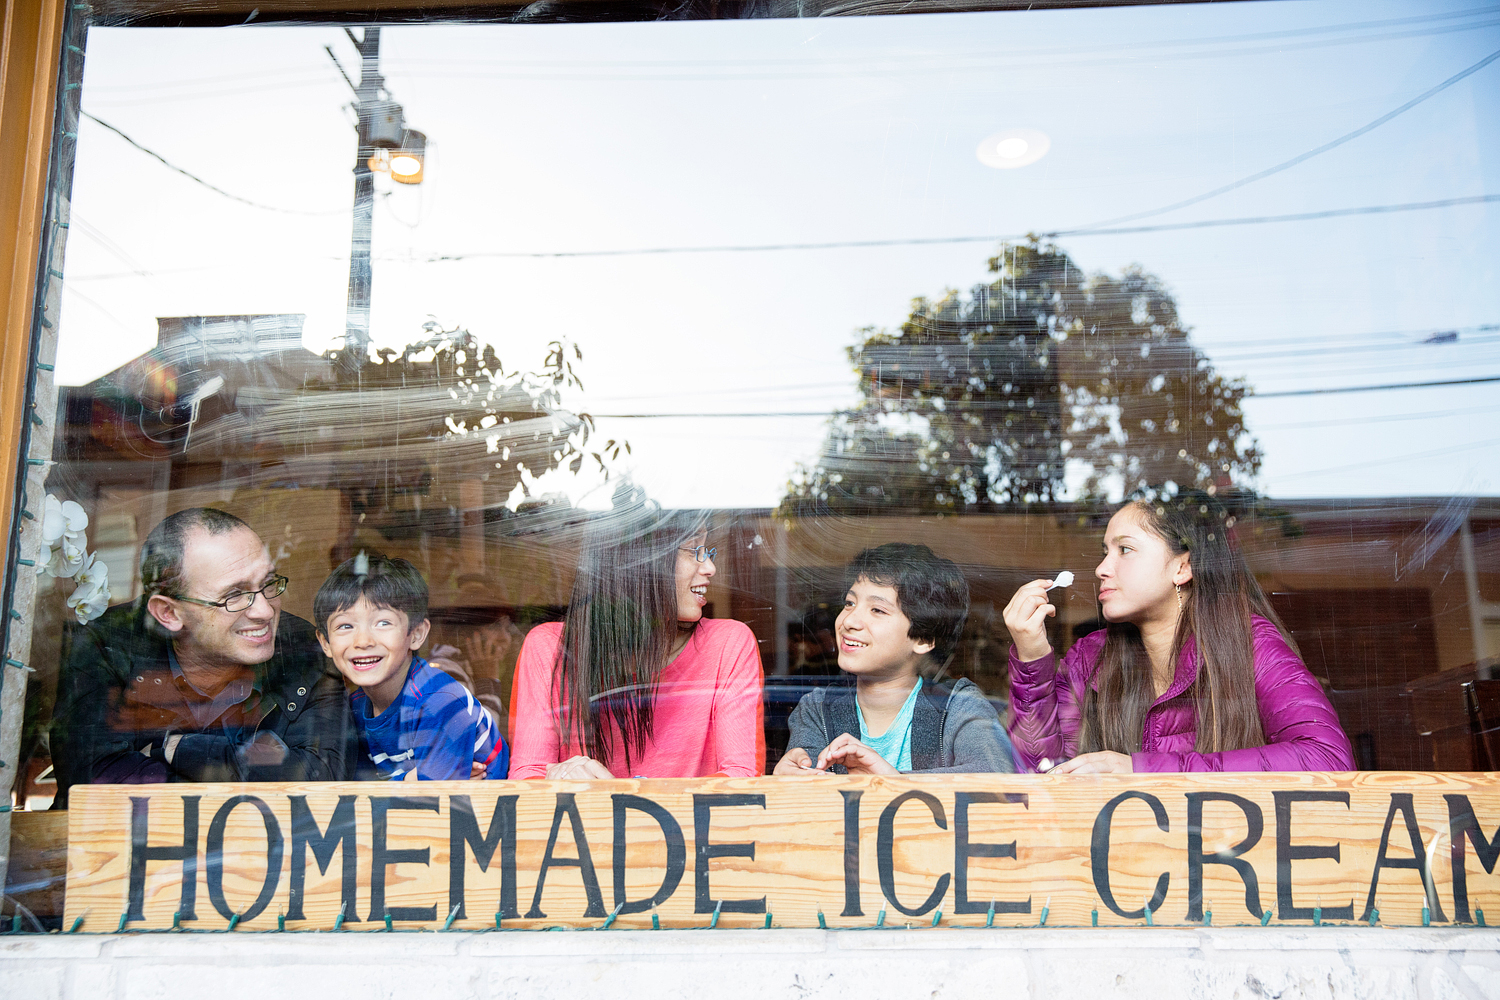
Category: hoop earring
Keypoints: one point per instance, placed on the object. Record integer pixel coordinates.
(1179, 597)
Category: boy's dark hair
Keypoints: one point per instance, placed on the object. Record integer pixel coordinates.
(931, 591)
(385, 582)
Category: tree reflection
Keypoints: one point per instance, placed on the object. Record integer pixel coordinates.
(1046, 383)
(429, 437)
(444, 408)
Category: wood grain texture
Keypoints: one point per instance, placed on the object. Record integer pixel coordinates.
(799, 859)
(38, 861)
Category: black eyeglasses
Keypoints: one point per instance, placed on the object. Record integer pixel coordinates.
(701, 553)
(241, 600)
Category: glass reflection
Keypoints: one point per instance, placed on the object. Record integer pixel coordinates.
(811, 304)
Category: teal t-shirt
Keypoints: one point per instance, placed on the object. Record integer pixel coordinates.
(895, 743)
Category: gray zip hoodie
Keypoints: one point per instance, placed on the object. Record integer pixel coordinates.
(953, 728)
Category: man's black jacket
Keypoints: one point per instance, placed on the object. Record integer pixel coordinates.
(117, 697)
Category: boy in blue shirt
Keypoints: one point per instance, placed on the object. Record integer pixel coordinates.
(414, 721)
(904, 611)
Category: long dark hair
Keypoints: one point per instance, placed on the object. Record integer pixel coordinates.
(1217, 605)
(620, 627)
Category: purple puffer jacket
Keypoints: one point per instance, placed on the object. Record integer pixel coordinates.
(1302, 730)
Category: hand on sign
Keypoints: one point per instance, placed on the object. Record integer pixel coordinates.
(576, 768)
(796, 761)
(1103, 762)
(855, 756)
(1026, 619)
(477, 771)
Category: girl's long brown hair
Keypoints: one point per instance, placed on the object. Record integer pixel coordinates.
(620, 627)
(1217, 605)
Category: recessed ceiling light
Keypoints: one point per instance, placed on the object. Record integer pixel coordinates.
(1014, 147)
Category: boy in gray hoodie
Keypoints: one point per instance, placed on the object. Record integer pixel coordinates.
(904, 610)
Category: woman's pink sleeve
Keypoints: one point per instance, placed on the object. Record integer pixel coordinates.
(533, 728)
(1047, 703)
(738, 732)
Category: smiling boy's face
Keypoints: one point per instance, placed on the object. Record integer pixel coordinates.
(372, 646)
(873, 634)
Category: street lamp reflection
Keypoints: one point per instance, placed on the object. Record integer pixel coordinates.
(406, 162)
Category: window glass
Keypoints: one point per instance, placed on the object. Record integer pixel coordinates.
(960, 280)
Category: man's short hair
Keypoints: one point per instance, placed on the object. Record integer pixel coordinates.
(165, 547)
(931, 591)
(383, 581)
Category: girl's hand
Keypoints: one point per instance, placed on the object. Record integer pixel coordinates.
(477, 771)
(795, 761)
(1026, 619)
(1103, 762)
(855, 756)
(576, 768)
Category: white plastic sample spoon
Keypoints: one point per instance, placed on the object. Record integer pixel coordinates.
(1063, 579)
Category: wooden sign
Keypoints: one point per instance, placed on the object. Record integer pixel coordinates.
(1391, 847)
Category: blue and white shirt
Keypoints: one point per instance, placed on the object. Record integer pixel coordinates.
(434, 727)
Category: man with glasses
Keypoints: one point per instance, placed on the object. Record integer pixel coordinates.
(202, 678)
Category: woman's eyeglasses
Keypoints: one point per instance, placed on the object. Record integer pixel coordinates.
(701, 553)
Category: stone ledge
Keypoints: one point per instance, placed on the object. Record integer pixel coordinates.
(1339, 963)
(1473, 942)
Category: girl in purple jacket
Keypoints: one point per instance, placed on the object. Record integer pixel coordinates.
(1193, 673)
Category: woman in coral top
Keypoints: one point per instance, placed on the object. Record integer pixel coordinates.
(1192, 673)
(635, 682)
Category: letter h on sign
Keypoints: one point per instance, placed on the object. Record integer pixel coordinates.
(140, 854)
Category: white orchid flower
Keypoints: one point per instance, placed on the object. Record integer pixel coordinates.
(91, 598)
(63, 540)
(62, 517)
